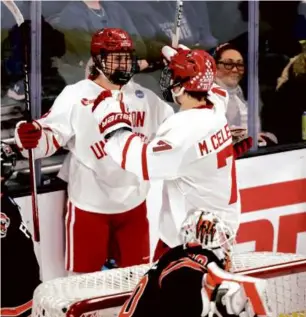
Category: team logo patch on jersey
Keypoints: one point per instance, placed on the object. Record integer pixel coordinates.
(139, 93)
(5, 222)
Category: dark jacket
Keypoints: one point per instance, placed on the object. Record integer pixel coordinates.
(282, 115)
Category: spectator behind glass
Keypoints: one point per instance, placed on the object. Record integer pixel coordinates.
(159, 18)
(283, 115)
(277, 40)
(53, 46)
(80, 19)
(155, 22)
(230, 70)
(195, 24)
(226, 21)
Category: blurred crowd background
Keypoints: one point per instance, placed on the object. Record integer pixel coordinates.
(63, 33)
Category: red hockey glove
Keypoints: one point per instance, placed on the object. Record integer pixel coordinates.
(242, 146)
(28, 134)
(111, 113)
(242, 143)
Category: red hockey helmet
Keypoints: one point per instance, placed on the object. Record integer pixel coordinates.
(195, 70)
(111, 40)
(112, 51)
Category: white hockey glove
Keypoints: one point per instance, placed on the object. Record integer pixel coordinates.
(168, 52)
(111, 113)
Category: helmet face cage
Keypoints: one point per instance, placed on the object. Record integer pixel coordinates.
(112, 51)
(167, 83)
(118, 67)
(208, 230)
(8, 161)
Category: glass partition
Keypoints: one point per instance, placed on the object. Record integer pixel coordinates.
(258, 47)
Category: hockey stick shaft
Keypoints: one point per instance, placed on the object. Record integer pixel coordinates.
(19, 20)
(177, 25)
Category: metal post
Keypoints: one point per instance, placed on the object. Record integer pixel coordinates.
(253, 91)
(35, 71)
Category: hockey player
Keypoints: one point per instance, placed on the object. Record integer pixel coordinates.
(105, 203)
(189, 280)
(192, 151)
(19, 266)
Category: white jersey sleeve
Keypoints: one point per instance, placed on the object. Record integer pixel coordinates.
(164, 111)
(56, 125)
(159, 159)
(219, 97)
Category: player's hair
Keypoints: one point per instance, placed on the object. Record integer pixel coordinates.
(198, 95)
(94, 73)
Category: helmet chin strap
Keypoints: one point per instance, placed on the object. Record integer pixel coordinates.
(175, 95)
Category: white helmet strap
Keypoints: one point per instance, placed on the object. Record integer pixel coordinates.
(175, 95)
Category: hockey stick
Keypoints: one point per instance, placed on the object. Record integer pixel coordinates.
(177, 26)
(12, 7)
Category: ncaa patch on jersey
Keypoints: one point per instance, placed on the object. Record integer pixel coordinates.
(139, 93)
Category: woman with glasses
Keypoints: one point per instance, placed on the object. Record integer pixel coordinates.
(230, 70)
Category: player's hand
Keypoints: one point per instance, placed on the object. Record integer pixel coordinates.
(111, 113)
(266, 139)
(229, 299)
(142, 64)
(28, 134)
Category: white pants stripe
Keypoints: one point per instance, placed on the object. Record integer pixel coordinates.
(69, 223)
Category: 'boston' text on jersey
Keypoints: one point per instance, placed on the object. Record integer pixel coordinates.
(137, 118)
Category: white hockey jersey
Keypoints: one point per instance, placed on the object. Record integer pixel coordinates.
(96, 183)
(193, 153)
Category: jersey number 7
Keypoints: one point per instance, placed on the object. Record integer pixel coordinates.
(222, 157)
